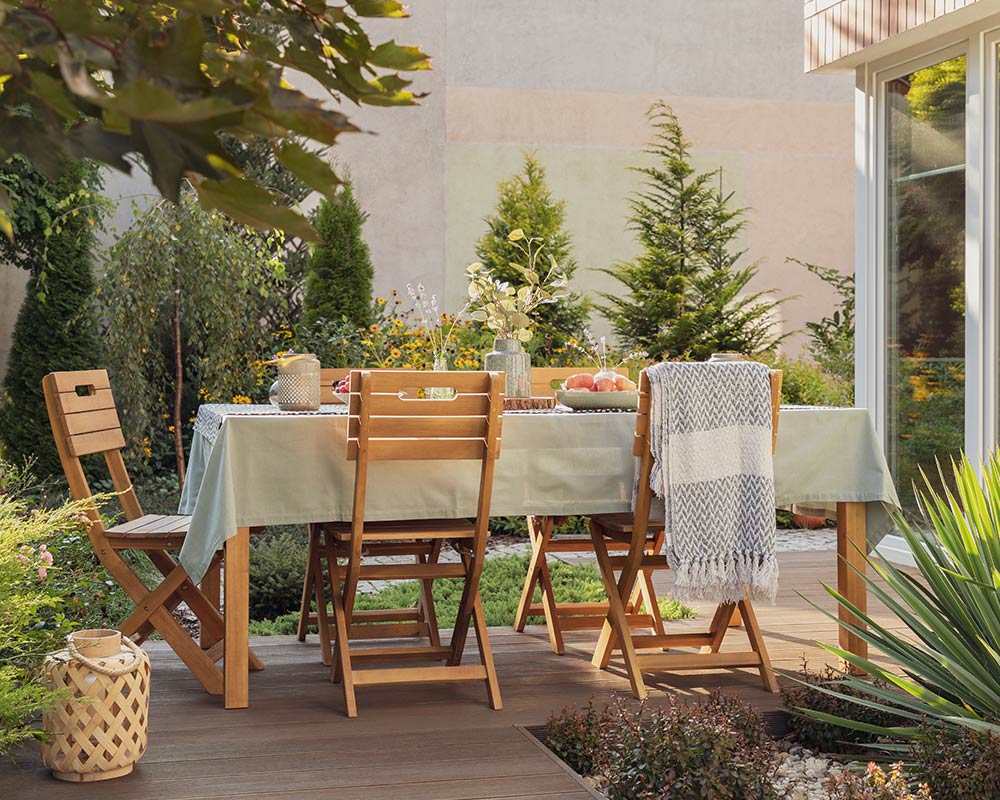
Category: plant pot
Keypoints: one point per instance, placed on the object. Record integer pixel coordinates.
(508, 356)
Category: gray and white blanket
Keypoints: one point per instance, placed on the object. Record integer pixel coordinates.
(710, 437)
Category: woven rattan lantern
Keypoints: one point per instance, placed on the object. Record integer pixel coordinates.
(99, 730)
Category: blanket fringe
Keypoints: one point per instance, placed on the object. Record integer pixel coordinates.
(724, 580)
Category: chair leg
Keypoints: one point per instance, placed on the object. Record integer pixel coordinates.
(535, 531)
(308, 590)
(342, 665)
(473, 571)
(486, 652)
(616, 625)
(319, 593)
(209, 616)
(719, 626)
(767, 676)
(426, 601)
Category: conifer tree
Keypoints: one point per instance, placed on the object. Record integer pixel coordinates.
(339, 274)
(56, 328)
(525, 201)
(723, 316)
(684, 291)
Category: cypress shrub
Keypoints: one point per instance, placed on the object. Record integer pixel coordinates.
(524, 201)
(56, 328)
(339, 275)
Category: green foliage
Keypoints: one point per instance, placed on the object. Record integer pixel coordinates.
(713, 750)
(832, 338)
(56, 328)
(277, 566)
(525, 202)
(875, 784)
(509, 310)
(35, 613)
(957, 766)
(183, 295)
(946, 633)
(930, 409)
(100, 80)
(339, 274)
(684, 292)
(395, 339)
(258, 159)
(827, 737)
(803, 383)
(500, 587)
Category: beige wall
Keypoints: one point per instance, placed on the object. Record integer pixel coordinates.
(572, 79)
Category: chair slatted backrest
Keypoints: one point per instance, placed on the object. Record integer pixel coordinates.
(389, 422)
(543, 377)
(85, 422)
(331, 376)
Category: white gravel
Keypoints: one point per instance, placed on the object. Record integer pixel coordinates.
(802, 775)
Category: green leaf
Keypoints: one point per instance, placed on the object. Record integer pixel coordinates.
(247, 202)
(393, 56)
(310, 168)
(378, 8)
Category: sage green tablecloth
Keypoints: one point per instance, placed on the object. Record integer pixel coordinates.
(271, 469)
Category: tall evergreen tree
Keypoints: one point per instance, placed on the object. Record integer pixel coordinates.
(669, 216)
(339, 275)
(56, 328)
(685, 289)
(524, 201)
(723, 316)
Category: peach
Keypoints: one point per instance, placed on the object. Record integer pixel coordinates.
(624, 384)
(604, 385)
(582, 380)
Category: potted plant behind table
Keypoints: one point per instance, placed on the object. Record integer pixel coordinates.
(506, 309)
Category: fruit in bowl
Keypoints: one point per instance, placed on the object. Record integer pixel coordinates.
(342, 388)
(602, 382)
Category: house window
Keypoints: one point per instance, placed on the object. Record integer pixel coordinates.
(925, 269)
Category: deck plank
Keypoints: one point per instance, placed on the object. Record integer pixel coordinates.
(428, 741)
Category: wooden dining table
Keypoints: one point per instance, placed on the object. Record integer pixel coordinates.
(253, 466)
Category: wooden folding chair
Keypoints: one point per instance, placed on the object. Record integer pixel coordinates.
(561, 617)
(382, 624)
(85, 421)
(386, 425)
(633, 529)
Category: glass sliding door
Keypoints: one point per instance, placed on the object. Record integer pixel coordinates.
(925, 270)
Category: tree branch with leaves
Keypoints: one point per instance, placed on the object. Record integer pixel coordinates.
(117, 80)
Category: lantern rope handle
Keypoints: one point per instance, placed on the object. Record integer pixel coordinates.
(103, 669)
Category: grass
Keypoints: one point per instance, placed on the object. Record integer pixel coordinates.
(500, 587)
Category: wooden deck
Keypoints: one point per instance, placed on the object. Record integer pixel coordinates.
(417, 742)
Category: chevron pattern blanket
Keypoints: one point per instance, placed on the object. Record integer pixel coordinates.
(710, 436)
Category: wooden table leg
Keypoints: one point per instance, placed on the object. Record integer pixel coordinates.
(852, 546)
(237, 613)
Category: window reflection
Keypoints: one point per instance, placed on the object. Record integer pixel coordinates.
(925, 148)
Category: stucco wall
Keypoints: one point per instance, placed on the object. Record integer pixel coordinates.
(572, 80)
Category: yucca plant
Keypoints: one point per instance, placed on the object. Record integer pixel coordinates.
(950, 652)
